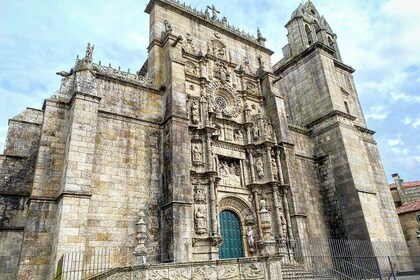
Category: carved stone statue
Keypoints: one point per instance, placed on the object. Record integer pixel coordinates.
(194, 112)
(187, 45)
(250, 239)
(168, 27)
(224, 168)
(238, 136)
(197, 154)
(256, 131)
(274, 168)
(200, 221)
(263, 205)
(199, 196)
(268, 129)
(260, 168)
(89, 53)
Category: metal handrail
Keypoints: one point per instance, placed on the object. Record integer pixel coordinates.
(332, 270)
(362, 268)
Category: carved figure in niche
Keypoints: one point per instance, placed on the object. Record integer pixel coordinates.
(250, 239)
(220, 72)
(200, 221)
(168, 27)
(197, 154)
(260, 168)
(268, 129)
(324, 172)
(246, 66)
(274, 168)
(256, 131)
(187, 45)
(283, 224)
(191, 69)
(263, 205)
(251, 89)
(238, 136)
(195, 113)
(224, 168)
(219, 49)
(199, 196)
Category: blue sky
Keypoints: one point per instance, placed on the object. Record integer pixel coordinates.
(380, 39)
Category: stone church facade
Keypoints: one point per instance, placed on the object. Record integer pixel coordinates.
(206, 137)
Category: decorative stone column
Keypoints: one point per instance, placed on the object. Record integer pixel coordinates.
(292, 241)
(251, 167)
(140, 252)
(278, 161)
(268, 242)
(280, 235)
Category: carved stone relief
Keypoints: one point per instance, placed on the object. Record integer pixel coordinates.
(256, 132)
(260, 168)
(188, 46)
(268, 128)
(253, 271)
(197, 154)
(230, 172)
(199, 195)
(218, 49)
(251, 88)
(200, 220)
(192, 69)
(238, 135)
(274, 168)
(221, 72)
(195, 112)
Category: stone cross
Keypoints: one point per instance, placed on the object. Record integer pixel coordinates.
(215, 12)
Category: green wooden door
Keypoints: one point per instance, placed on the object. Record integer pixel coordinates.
(230, 228)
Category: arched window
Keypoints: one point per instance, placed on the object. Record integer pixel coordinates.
(332, 45)
(330, 42)
(230, 229)
(309, 35)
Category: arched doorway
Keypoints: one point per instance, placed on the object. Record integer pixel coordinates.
(230, 229)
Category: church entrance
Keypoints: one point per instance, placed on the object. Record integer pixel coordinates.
(230, 228)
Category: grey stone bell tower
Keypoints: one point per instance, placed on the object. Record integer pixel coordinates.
(320, 97)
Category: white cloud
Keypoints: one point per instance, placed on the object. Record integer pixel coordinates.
(401, 96)
(400, 151)
(377, 113)
(407, 120)
(395, 142)
(416, 123)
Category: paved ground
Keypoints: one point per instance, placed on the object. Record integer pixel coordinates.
(412, 277)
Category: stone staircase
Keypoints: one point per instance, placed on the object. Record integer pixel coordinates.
(295, 271)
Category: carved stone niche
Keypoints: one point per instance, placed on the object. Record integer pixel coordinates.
(200, 219)
(188, 45)
(199, 194)
(195, 111)
(251, 88)
(197, 154)
(229, 171)
(218, 49)
(192, 69)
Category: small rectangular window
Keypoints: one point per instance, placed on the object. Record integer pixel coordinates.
(347, 107)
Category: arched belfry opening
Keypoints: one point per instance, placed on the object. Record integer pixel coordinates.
(309, 35)
(231, 233)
